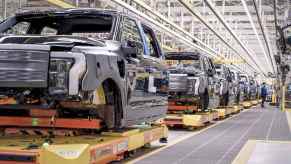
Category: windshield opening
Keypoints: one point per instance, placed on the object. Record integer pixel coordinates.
(243, 78)
(95, 27)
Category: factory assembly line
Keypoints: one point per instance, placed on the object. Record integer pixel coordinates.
(121, 83)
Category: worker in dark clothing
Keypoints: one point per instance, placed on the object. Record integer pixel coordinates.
(263, 94)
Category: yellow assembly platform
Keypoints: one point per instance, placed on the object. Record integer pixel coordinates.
(91, 149)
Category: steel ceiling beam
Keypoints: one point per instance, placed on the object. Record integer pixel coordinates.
(227, 27)
(264, 35)
(275, 16)
(202, 20)
(268, 58)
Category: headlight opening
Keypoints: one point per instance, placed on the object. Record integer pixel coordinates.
(59, 70)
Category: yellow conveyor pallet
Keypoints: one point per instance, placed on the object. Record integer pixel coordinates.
(90, 149)
(191, 120)
(226, 111)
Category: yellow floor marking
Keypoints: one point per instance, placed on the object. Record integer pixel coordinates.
(240, 139)
(245, 153)
(288, 115)
(181, 139)
(271, 124)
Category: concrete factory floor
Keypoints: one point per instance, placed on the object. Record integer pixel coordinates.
(221, 142)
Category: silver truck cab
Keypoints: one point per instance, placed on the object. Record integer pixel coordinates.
(225, 83)
(236, 86)
(193, 75)
(245, 85)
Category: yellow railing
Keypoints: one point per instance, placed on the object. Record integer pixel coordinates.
(61, 4)
(228, 61)
(168, 48)
(283, 98)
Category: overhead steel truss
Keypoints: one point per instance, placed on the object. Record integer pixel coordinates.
(172, 25)
(160, 16)
(268, 58)
(202, 20)
(264, 35)
(228, 28)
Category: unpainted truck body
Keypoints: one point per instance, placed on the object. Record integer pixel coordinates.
(193, 76)
(226, 93)
(238, 94)
(84, 63)
(245, 86)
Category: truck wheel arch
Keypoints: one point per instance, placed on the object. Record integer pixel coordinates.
(113, 97)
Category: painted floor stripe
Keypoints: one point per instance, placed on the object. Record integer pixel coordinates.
(271, 124)
(240, 139)
(183, 138)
